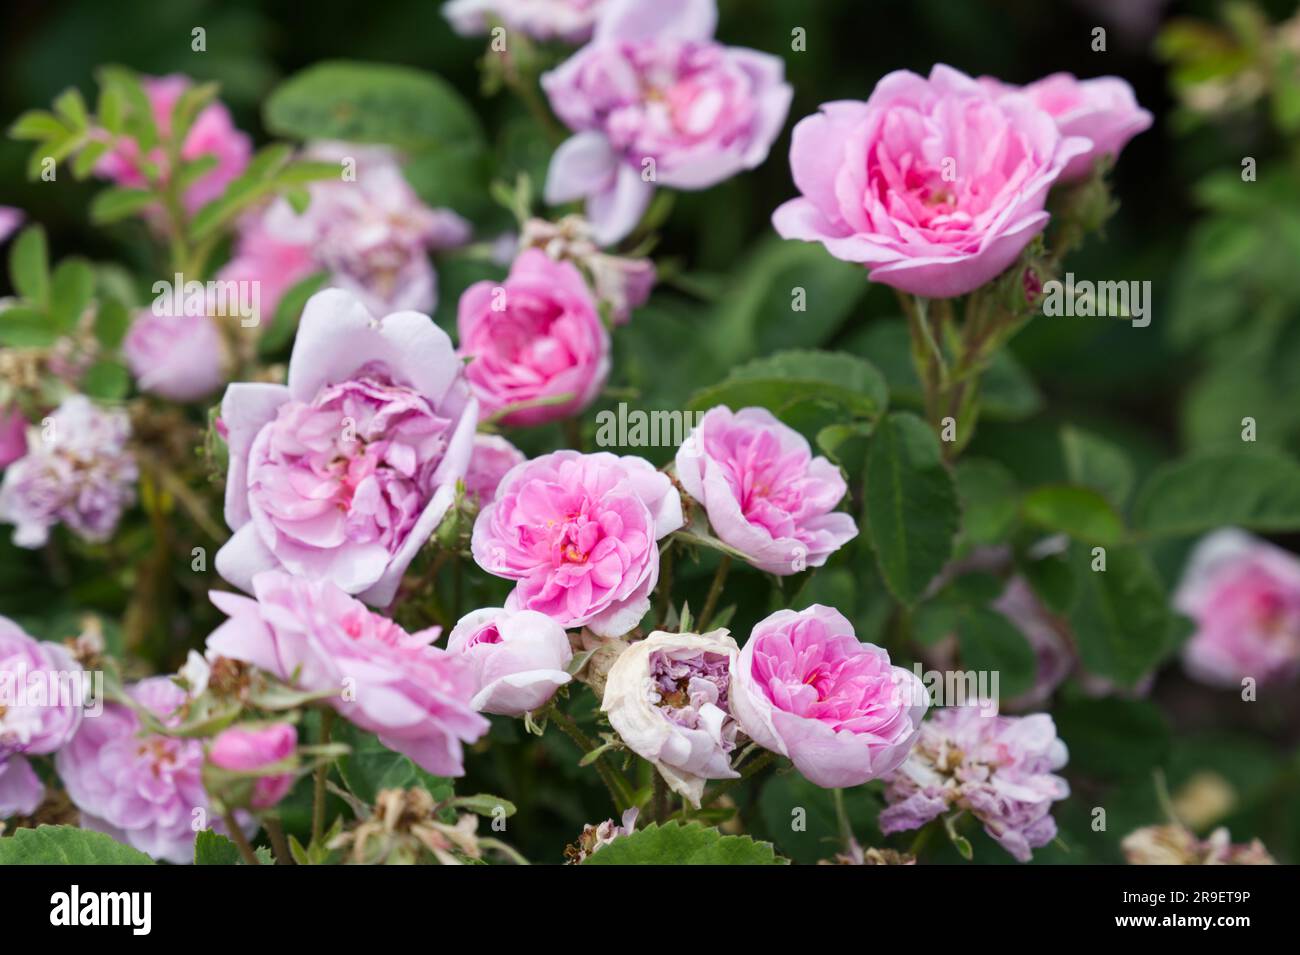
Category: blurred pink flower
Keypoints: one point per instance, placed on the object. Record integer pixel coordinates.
(491, 460)
(247, 750)
(10, 220)
(178, 357)
(568, 20)
(13, 435)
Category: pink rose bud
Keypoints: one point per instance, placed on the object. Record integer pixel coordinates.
(578, 532)
(909, 184)
(491, 460)
(178, 357)
(535, 343)
(568, 20)
(519, 659)
(13, 436)
(806, 688)
(668, 696)
(653, 99)
(243, 750)
(1244, 596)
(413, 696)
(764, 492)
(344, 473)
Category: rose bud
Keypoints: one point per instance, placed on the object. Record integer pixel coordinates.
(519, 658)
(255, 751)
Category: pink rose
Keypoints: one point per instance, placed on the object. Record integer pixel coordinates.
(241, 749)
(578, 532)
(936, 185)
(13, 435)
(345, 472)
(620, 283)
(519, 659)
(266, 255)
(1103, 109)
(764, 492)
(491, 460)
(653, 99)
(568, 20)
(413, 696)
(178, 357)
(804, 687)
(144, 789)
(213, 134)
(1244, 596)
(533, 340)
(10, 220)
(41, 698)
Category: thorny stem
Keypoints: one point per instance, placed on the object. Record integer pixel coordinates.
(715, 591)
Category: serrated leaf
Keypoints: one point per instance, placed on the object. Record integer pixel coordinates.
(1256, 489)
(675, 843)
(66, 845)
(782, 380)
(989, 498)
(371, 767)
(212, 848)
(1080, 512)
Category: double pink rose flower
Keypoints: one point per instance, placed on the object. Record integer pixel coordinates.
(653, 99)
(345, 472)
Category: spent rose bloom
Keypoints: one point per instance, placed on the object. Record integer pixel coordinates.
(10, 220)
(532, 340)
(1176, 845)
(668, 697)
(568, 20)
(143, 790)
(212, 134)
(595, 838)
(935, 184)
(620, 283)
(519, 658)
(344, 473)
(764, 492)
(78, 471)
(998, 768)
(806, 688)
(413, 696)
(653, 99)
(578, 532)
(40, 710)
(13, 435)
(1102, 109)
(243, 749)
(1243, 594)
(178, 357)
(492, 458)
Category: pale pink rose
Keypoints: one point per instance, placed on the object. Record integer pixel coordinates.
(242, 749)
(10, 220)
(667, 697)
(519, 658)
(764, 492)
(413, 696)
(344, 473)
(568, 20)
(533, 340)
(1244, 596)
(936, 185)
(13, 435)
(653, 99)
(213, 134)
(41, 702)
(491, 460)
(178, 357)
(144, 789)
(578, 532)
(1102, 109)
(274, 260)
(806, 688)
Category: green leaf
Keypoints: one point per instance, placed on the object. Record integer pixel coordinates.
(675, 843)
(84, 164)
(212, 848)
(112, 205)
(71, 288)
(284, 324)
(138, 121)
(1256, 489)
(912, 511)
(66, 845)
(1113, 738)
(372, 766)
(29, 265)
(780, 381)
(1080, 512)
(1096, 463)
(989, 500)
(992, 644)
(112, 319)
(25, 327)
(485, 805)
(37, 124)
(110, 109)
(106, 379)
(371, 103)
(72, 106)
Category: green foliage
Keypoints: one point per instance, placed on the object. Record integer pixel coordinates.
(66, 845)
(675, 843)
(1255, 489)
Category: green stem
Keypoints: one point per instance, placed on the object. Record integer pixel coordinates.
(751, 768)
(614, 781)
(715, 591)
(842, 818)
(665, 583)
(278, 843)
(240, 840)
(322, 774)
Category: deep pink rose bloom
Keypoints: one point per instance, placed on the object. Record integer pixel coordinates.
(578, 532)
(1244, 596)
(491, 460)
(40, 710)
(213, 134)
(936, 185)
(13, 436)
(519, 658)
(1102, 109)
(144, 790)
(344, 473)
(413, 696)
(764, 492)
(534, 338)
(654, 86)
(998, 768)
(10, 220)
(247, 750)
(805, 688)
(569, 20)
(178, 357)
